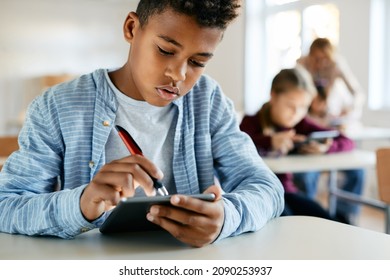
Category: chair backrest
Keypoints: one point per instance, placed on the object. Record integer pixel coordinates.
(8, 144)
(383, 173)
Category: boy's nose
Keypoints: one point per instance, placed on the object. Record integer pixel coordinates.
(177, 72)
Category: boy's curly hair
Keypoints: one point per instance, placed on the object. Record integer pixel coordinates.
(207, 13)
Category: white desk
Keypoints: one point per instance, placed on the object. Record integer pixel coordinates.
(360, 133)
(328, 162)
(336, 161)
(294, 237)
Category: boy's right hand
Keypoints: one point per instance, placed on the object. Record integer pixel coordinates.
(284, 141)
(116, 180)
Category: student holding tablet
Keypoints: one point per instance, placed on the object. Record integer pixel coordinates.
(72, 167)
(281, 127)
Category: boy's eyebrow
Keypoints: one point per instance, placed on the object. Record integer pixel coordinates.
(177, 44)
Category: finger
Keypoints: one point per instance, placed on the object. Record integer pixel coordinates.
(289, 145)
(322, 148)
(150, 170)
(299, 138)
(121, 182)
(291, 133)
(193, 204)
(329, 141)
(192, 235)
(180, 216)
(185, 234)
(313, 149)
(127, 176)
(192, 211)
(216, 190)
(145, 163)
(96, 198)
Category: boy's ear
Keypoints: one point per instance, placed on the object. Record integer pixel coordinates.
(272, 97)
(130, 26)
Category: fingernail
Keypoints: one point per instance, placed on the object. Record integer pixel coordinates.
(175, 199)
(154, 211)
(160, 174)
(150, 217)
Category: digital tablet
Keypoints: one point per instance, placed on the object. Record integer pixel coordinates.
(130, 214)
(323, 135)
(319, 136)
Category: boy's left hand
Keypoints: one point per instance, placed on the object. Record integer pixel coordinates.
(191, 220)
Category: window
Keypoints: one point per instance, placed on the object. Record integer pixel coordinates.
(379, 97)
(279, 2)
(283, 31)
(321, 21)
(279, 32)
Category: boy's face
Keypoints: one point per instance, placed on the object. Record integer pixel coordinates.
(289, 108)
(167, 56)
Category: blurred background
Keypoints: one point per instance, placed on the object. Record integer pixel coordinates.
(43, 42)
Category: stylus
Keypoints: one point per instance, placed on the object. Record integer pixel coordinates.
(134, 149)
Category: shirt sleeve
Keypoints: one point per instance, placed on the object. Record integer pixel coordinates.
(253, 194)
(30, 202)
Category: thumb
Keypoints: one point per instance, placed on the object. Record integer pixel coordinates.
(216, 190)
(291, 132)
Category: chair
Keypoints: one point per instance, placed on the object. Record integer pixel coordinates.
(383, 178)
(8, 144)
(383, 181)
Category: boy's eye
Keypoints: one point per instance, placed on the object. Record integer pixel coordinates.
(192, 61)
(197, 63)
(164, 52)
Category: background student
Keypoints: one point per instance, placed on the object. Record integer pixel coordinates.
(332, 75)
(184, 124)
(280, 127)
(339, 104)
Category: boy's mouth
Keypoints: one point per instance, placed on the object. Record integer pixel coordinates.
(168, 93)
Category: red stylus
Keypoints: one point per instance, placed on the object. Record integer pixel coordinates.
(134, 149)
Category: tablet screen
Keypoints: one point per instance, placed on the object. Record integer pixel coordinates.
(319, 136)
(130, 214)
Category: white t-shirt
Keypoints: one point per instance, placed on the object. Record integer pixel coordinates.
(151, 127)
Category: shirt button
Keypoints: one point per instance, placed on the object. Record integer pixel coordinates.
(84, 229)
(106, 123)
(91, 164)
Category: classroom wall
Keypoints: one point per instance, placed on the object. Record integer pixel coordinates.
(354, 36)
(40, 37)
(54, 37)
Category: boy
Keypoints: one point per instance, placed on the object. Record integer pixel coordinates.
(281, 126)
(179, 117)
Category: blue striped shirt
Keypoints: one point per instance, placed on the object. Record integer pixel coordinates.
(62, 148)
